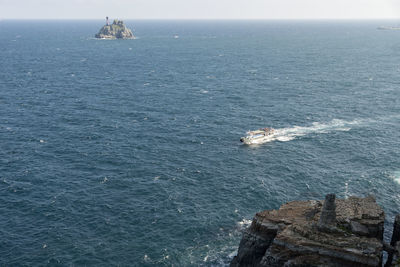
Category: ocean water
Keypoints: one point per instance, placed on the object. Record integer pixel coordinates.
(127, 152)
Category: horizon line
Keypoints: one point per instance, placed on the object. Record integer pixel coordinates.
(205, 19)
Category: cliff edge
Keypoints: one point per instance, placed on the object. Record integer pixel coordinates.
(117, 30)
(343, 232)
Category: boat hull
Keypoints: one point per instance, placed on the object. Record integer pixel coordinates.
(258, 136)
(253, 141)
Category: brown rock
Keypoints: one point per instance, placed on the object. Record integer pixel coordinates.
(289, 236)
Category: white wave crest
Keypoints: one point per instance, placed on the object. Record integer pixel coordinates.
(244, 223)
(395, 176)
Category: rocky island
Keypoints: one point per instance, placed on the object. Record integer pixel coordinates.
(343, 232)
(117, 30)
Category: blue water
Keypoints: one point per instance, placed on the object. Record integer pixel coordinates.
(127, 152)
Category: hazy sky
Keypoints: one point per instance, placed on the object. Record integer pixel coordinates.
(200, 9)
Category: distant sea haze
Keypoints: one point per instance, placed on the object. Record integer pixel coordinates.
(127, 152)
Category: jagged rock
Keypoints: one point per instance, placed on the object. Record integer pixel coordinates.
(394, 258)
(358, 228)
(394, 255)
(290, 236)
(396, 231)
(327, 219)
(117, 30)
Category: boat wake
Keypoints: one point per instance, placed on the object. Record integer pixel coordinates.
(291, 133)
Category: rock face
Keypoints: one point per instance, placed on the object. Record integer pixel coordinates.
(394, 254)
(117, 30)
(327, 219)
(346, 232)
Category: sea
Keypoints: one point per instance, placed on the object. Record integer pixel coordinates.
(128, 153)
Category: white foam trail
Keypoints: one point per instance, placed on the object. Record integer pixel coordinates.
(284, 138)
(291, 133)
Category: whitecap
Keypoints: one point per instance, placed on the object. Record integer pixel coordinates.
(344, 129)
(232, 254)
(244, 223)
(346, 190)
(395, 176)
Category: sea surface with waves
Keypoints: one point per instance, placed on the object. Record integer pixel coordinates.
(127, 152)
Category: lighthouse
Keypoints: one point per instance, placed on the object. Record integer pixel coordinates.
(107, 21)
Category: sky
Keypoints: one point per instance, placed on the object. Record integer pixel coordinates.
(200, 9)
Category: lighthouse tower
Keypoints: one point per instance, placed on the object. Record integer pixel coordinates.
(107, 23)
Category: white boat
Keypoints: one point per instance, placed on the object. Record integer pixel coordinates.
(388, 28)
(258, 136)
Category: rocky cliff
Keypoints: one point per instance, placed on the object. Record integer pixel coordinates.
(117, 30)
(344, 232)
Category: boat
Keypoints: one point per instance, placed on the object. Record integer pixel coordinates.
(258, 136)
(388, 28)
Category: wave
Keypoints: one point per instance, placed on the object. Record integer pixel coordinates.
(395, 175)
(243, 224)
